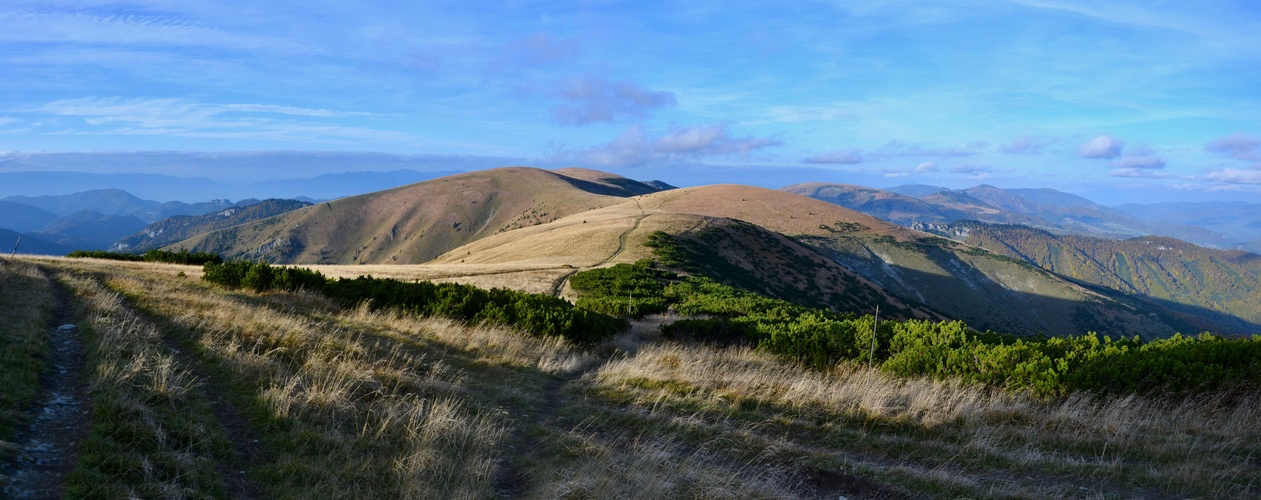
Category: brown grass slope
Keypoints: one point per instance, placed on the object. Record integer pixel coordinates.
(778, 211)
(756, 256)
(413, 224)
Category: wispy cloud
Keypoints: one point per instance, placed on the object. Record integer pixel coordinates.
(836, 157)
(1237, 145)
(1023, 145)
(897, 149)
(636, 146)
(594, 99)
(1235, 176)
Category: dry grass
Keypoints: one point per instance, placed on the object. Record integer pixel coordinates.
(345, 413)
(1204, 444)
(26, 306)
(151, 434)
(653, 467)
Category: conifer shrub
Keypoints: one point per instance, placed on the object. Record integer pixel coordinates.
(534, 313)
(1043, 366)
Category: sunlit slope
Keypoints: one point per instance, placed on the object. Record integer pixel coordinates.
(412, 224)
(778, 211)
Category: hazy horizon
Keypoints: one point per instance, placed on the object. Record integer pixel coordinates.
(1118, 102)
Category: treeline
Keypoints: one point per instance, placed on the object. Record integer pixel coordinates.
(821, 338)
(534, 313)
(180, 257)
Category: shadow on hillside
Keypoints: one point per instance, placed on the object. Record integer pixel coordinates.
(985, 304)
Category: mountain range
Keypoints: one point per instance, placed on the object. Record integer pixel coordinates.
(1025, 261)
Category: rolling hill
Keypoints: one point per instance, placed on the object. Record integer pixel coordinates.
(30, 245)
(23, 218)
(414, 224)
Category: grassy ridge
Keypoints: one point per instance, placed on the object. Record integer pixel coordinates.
(329, 392)
(948, 349)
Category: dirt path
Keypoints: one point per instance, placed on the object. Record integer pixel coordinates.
(50, 446)
(621, 247)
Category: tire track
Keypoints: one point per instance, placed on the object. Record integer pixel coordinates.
(50, 446)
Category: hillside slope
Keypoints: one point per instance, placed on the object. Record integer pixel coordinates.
(173, 229)
(1211, 289)
(412, 224)
(819, 254)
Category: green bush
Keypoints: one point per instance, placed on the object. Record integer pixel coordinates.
(101, 254)
(535, 313)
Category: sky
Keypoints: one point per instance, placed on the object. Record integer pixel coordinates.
(1119, 101)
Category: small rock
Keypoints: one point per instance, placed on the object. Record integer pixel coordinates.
(66, 327)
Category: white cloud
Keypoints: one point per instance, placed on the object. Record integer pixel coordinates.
(1238, 145)
(593, 99)
(636, 146)
(839, 157)
(977, 170)
(926, 167)
(1138, 173)
(1104, 146)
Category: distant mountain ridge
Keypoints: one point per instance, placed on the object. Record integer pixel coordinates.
(1047, 209)
(117, 202)
(179, 227)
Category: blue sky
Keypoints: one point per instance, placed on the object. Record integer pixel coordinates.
(1118, 100)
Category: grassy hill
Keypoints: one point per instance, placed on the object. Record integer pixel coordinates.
(812, 253)
(413, 224)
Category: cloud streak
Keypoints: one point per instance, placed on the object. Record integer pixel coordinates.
(836, 157)
(184, 117)
(637, 146)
